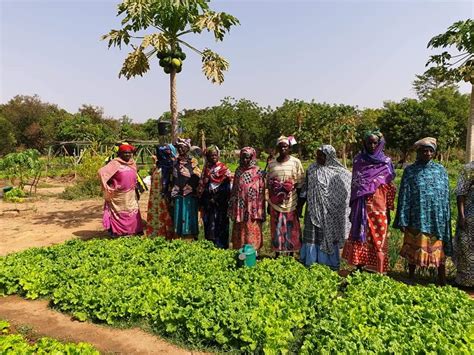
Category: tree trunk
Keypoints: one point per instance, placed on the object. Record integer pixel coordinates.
(173, 106)
(344, 155)
(470, 130)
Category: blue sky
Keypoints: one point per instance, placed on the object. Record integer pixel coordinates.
(352, 52)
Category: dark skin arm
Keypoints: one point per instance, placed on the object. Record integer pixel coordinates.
(461, 201)
(300, 204)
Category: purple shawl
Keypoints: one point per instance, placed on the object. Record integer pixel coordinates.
(369, 171)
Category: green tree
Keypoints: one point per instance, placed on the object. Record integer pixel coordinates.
(130, 130)
(150, 128)
(172, 20)
(232, 124)
(82, 128)
(457, 67)
(21, 165)
(95, 113)
(455, 106)
(8, 141)
(404, 122)
(427, 82)
(34, 122)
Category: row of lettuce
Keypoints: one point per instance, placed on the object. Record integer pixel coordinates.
(195, 293)
(11, 343)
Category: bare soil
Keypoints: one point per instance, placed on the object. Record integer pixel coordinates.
(43, 321)
(43, 220)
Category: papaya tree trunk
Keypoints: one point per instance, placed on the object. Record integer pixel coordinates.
(173, 106)
(470, 130)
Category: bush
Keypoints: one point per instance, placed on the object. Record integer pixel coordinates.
(21, 166)
(14, 195)
(88, 183)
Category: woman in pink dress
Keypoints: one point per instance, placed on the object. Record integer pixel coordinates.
(119, 179)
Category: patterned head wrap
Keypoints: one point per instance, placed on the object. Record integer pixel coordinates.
(183, 141)
(290, 140)
(331, 157)
(426, 142)
(252, 153)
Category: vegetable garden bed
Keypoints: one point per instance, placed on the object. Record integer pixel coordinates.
(194, 293)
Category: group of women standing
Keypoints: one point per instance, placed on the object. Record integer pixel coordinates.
(180, 191)
(344, 211)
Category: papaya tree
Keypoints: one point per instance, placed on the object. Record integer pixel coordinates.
(21, 166)
(157, 29)
(457, 66)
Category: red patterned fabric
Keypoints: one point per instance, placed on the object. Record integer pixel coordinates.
(365, 253)
(285, 230)
(159, 221)
(249, 232)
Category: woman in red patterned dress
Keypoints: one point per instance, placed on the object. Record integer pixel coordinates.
(247, 202)
(372, 199)
(159, 221)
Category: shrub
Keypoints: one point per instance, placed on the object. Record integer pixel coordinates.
(14, 195)
(87, 184)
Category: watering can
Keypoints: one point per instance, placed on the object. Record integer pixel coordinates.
(248, 255)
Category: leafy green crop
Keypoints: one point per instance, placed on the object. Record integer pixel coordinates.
(14, 195)
(17, 344)
(194, 293)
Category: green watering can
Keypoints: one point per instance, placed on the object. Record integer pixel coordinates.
(248, 255)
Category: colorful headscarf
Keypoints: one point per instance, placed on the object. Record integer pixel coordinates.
(183, 141)
(253, 155)
(369, 171)
(126, 148)
(426, 142)
(290, 140)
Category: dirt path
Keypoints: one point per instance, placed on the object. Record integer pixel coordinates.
(47, 220)
(46, 322)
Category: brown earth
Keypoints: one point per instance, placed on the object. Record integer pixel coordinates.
(44, 220)
(43, 321)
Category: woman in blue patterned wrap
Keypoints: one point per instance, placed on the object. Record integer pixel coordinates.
(423, 211)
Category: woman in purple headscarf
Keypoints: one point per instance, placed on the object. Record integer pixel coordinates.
(372, 199)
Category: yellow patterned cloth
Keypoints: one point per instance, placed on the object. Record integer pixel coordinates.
(422, 249)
